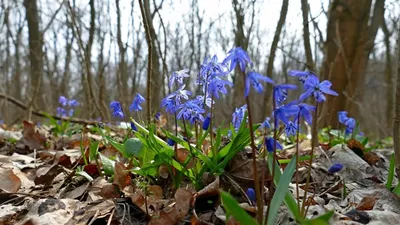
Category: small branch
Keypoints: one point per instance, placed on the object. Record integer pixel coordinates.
(43, 113)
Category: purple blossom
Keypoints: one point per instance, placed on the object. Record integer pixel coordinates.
(238, 116)
(251, 194)
(265, 124)
(137, 101)
(335, 168)
(116, 109)
(211, 68)
(305, 112)
(317, 89)
(291, 128)
(178, 76)
(206, 123)
(217, 85)
(191, 112)
(63, 101)
(269, 144)
(73, 103)
(237, 56)
(282, 113)
(281, 91)
(254, 79)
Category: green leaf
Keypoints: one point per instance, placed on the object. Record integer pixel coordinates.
(85, 175)
(108, 165)
(93, 150)
(364, 141)
(132, 147)
(289, 200)
(397, 189)
(301, 159)
(391, 172)
(233, 208)
(281, 190)
(116, 145)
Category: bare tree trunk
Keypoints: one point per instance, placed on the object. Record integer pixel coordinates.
(272, 51)
(306, 35)
(350, 40)
(396, 125)
(35, 51)
(388, 77)
(122, 68)
(69, 39)
(240, 41)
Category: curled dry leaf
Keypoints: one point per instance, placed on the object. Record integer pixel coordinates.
(156, 191)
(183, 200)
(122, 176)
(163, 171)
(31, 136)
(367, 203)
(46, 174)
(9, 181)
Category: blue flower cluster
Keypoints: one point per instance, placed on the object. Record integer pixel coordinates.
(290, 113)
(348, 122)
(67, 106)
(116, 107)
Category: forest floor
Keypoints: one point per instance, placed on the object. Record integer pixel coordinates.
(45, 180)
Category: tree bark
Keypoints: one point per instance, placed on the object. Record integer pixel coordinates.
(396, 125)
(35, 51)
(349, 43)
(306, 35)
(272, 51)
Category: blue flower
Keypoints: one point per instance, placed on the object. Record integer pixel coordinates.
(206, 123)
(70, 112)
(335, 168)
(314, 87)
(237, 56)
(133, 126)
(61, 112)
(302, 75)
(200, 101)
(254, 79)
(291, 128)
(217, 85)
(181, 93)
(73, 103)
(305, 112)
(269, 144)
(342, 115)
(170, 142)
(63, 101)
(157, 116)
(169, 103)
(282, 113)
(238, 116)
(136, 103)
(265, 124)
(251, 194)
(191, 112)
(178, 76)
(116, 109)
(281, 92)
(350, 125)
(212, 67)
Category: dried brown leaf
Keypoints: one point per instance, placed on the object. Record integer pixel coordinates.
(31, 136)
(46, 174)
(122, 176)
(367, 203)
(9, 181)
